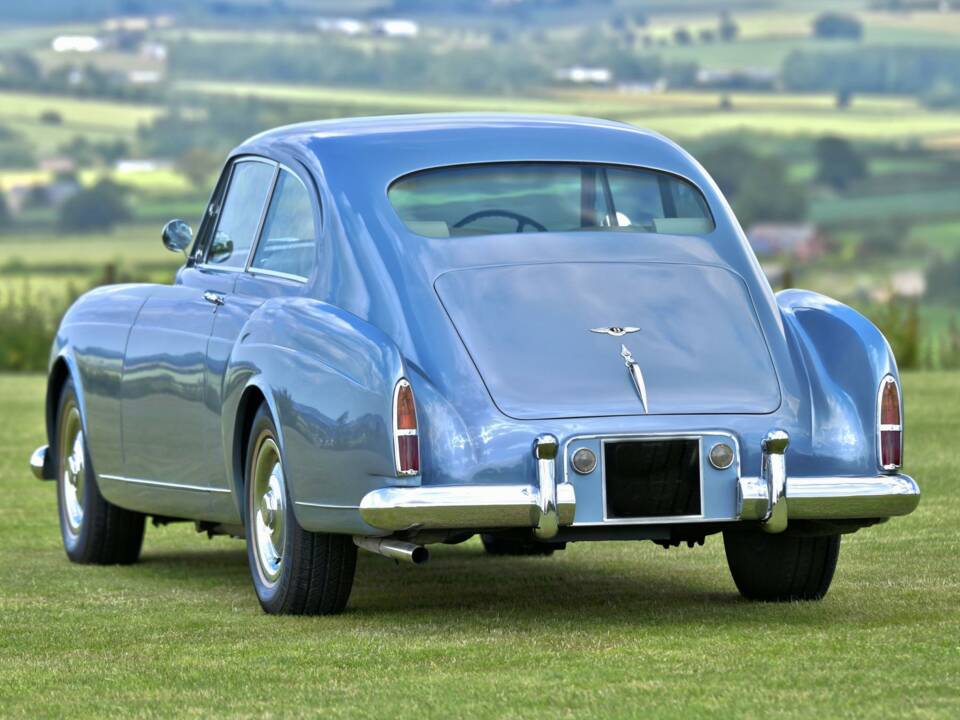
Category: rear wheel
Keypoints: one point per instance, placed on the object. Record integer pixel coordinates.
(781, 567)
(500, 545)
(93, 530)
(295, 572)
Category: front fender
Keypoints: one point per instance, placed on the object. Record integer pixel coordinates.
(845, 357)
(328, 377)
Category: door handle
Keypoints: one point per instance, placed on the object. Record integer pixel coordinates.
(214, 298)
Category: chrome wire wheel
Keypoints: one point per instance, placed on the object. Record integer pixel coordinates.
(72, 468)
(267, 511)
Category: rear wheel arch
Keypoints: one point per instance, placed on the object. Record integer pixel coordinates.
(57, 379)
(250, 402)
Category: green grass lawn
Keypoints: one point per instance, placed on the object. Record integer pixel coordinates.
(599, 630)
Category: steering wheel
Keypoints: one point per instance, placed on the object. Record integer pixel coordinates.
(522, 220)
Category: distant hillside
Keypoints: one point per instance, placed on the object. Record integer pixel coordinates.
(53, 11)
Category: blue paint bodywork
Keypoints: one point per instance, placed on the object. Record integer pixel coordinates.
(492, 332)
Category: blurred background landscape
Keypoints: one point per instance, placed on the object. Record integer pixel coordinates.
(833, 127)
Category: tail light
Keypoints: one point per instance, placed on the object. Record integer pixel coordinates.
(890, 424)
(405, 440)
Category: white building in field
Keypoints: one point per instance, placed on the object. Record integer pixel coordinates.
(341, 26)
(582, 75)
(396, 27)
(76, 43)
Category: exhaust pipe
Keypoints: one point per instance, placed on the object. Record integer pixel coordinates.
(395, 549)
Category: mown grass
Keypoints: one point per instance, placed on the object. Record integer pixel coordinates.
(600, 630)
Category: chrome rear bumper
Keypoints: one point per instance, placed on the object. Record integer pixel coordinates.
(773, 499)
(462, 507)
(832, 498)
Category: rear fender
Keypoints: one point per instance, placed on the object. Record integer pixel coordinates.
(845, 357)
(328, 378)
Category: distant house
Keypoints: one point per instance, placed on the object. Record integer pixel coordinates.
(396, 27)
(800, 241)
(52, 194)
(154, 51)
(144, 77)
(76, 43)
(58, 165)
(140, 165)
(582, 75)
(341, 26)
(908, 283)
(643, 88)
(737, 79)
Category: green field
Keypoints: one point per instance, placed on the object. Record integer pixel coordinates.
(95, 119)
(677, 114)
(599, 630)
(49, 263)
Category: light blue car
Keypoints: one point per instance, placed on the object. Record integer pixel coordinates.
(391, 332)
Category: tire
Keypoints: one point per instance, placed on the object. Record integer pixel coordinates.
(499, 545)
(93, 530)
(780, 568)
(294, 572)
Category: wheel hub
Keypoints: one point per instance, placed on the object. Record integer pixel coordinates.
(267, 505)
(73, 463)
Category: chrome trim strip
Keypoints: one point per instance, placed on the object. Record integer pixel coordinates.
(773, 471)
(218, 268)
(326, 506)
(462, 507)
(165, 485)
(38, 463)
(276, 274)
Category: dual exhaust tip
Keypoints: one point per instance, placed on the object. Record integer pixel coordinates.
(395, 549)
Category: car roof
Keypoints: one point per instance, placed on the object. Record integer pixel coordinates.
(381, 149)
(425, 124)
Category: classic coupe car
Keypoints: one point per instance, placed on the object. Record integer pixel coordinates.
(391, 332)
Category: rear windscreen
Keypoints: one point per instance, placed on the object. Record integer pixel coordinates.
(530, 197)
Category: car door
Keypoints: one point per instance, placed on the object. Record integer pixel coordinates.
(166, 419)
(282, 265)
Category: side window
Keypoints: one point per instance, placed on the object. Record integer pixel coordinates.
(241, 213)
(288, 243)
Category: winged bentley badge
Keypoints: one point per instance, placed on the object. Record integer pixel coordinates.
(615, 331)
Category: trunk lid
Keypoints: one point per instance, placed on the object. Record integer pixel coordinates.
(528, 329)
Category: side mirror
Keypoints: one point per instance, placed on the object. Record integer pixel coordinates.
(177, 236)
